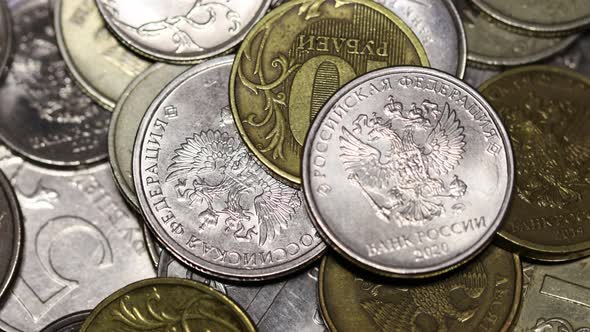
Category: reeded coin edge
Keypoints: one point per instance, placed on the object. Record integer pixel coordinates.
(527, 248)
(18, 225)
(461, 38)
(205, 267)
(182, 60)
(532, 27)
(398, 272)
(239, 311)
(277, 171)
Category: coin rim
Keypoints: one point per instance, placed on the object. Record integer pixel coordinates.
(239, 311)
(9, 47)
(461, 37)
(66, 320)
(510, 319)
(283, 175)
(194, 59)
(202, 265)
(524, 247)
(532, 27)
(399, 272)
(18, 228)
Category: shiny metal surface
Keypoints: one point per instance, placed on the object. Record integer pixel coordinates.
(289, 305)
(45, 116)
(10, 234)
(81, 243)
(439, 28)
(557, 298)
(181, 31)
(96, 60)
(6, 37)
(127, 116)
(204, 195)
(417, 163)
(153, 247)
(70, 323)
(490, 44)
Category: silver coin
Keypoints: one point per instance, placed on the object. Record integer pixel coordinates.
(492, 45)
(10, 234)
(70, 323)
(45, 116)
(287, 305)
(439, 28)
(205, 196)
(549, 17)
(81, 243)
(153, 247)
(127, 116)
(418, 165)
(6, 36)
(181, 31)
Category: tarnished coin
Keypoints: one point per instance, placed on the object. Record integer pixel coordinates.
(552, 17)
(439, 28)
(286, 305)
(98, 63)
(81, 243)
(545, 111)
(6, 37)
(10, 234)
(296, 57)
(167, 303)
(45, 116)
(481, 296)
(181, 31)
(70, 323)
(130, 109)
(490, 44)
(205, 196)
(276, 3)
(557, 298)
(408, 171)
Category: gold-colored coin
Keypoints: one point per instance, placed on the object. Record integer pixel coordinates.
(297, 57)
(165, 305)
(481, 296)
(545, 110)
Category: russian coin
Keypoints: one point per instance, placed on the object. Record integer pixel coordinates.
(130, 109)
(81, 243)
(171, 303)
(99, 64)
(47, 118)
(205, 196)
(152, 246)
(296, 57)
(416, 162)
(287, 305)
(481, 296)
(552, 17)
(187, 31)
(70, 323)
(276, 3)
(557, 298)
(439, 28)
(490, 44)
(6, 37)
(544, 109)
(10, 234)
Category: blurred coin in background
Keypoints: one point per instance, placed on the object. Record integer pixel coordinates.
(6, 37)
(11, 230)
(69, 323)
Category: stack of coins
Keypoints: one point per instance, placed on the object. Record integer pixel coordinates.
(296, 165)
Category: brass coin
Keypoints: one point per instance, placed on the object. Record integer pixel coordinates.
(99, 64)
(300, 54)
(545, 110)
(481, 296)
(165, 305)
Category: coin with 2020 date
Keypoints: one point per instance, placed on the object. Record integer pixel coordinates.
(213, 205)
(181, 31)
(418, 165)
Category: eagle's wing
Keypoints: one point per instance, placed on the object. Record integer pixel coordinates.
(445, 144)
(578, 154)
(275, 208)
(199, 154)
(395, 317)
(473, 281)
(364, 161)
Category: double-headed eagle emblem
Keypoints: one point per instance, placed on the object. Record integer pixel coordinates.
(213, 169)
(398, 161)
